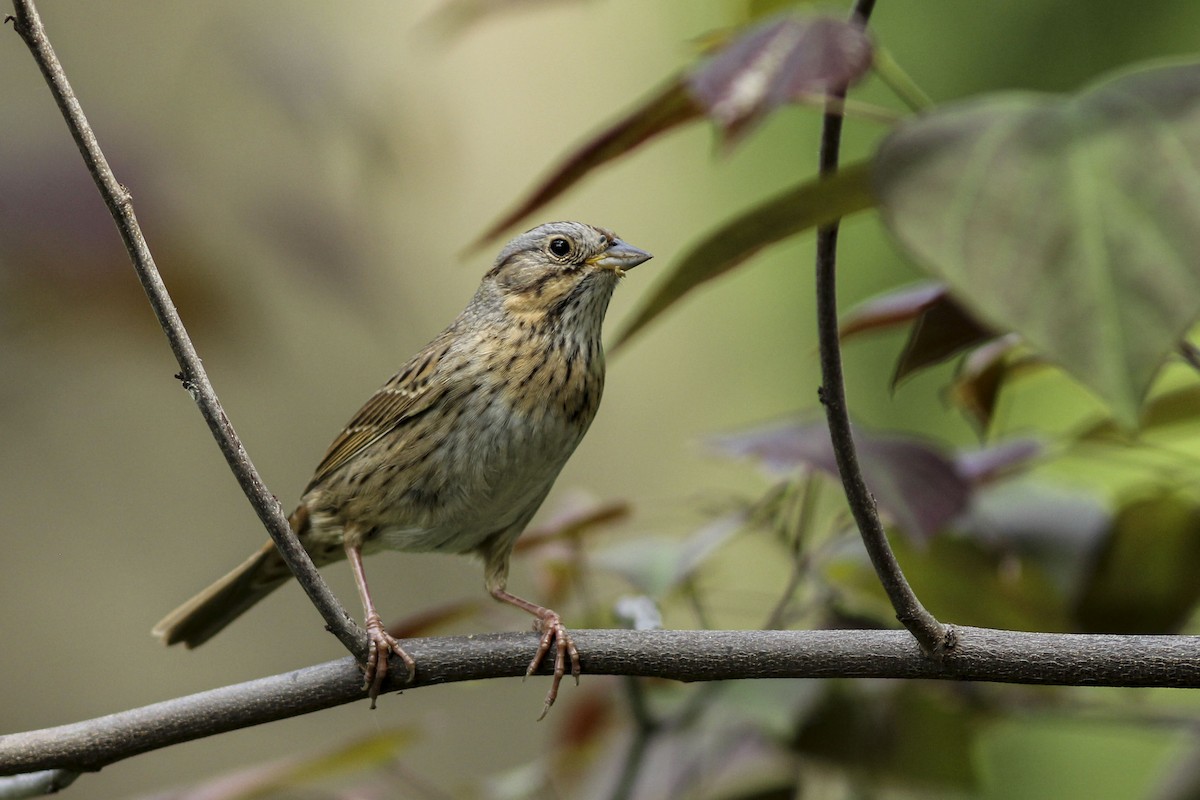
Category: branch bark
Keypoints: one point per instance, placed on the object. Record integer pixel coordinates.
(979, 654)
(912, 614)
(192, 375)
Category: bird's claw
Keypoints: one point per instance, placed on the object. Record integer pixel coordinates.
(381, 645)
(550, 626)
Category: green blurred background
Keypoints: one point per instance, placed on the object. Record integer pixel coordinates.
(309, 178)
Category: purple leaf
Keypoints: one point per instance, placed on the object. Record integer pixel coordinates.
(785, 59)
(915, 483)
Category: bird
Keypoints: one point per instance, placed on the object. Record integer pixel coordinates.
(458, 449)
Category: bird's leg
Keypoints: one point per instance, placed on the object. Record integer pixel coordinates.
(381, 643)
(548, 624)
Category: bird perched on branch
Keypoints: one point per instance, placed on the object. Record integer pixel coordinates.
(457, 451)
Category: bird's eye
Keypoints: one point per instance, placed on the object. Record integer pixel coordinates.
(560, 247)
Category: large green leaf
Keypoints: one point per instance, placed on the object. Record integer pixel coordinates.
(1072, 220)
(817, 202)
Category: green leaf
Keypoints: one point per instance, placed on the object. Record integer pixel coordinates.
(1144, 580)
(905, 733)
(1174, 413)
(1068, 219)
(817, 202)
(965, 580)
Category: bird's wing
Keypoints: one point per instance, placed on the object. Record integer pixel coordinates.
(410, 392)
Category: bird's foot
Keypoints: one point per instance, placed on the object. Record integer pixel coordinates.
(381, 645)
(550, 626)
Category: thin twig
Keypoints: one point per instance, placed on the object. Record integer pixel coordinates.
(928, 631)
(980, 654)
(28, 26)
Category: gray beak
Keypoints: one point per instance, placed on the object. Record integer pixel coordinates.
(620, 256)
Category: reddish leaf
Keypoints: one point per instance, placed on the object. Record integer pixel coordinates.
(943, 329)
(811, 204)
(667, 108)
(898, 307)
(782, 60)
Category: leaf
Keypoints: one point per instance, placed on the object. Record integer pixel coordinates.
(1069, 220)
(966, 580)
(1144, 578)
(1032, 524)
(909, 735)
(817, 202)
(976, 387)
(667, 108)
(998, 461)
(942, 327)
(1168, 412)
(943, 330)
(916, 484)
(785, 59)
(782, 60)
(897, 307)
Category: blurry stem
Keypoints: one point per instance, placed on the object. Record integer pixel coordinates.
(777, 619)
(904, 87)
(931, 634)
(692, 594)
(645, 728)
(28, 26)
(800, 561)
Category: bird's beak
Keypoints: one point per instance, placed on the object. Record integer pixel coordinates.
(619, 257)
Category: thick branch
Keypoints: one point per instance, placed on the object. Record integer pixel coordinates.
(28, 26)
(979, 654)
(928, 631)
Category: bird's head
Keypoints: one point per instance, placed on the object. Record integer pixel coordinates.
(561, 269)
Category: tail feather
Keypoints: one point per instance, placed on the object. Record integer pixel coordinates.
(206, 614)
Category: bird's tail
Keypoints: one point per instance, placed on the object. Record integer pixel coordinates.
(202, 617)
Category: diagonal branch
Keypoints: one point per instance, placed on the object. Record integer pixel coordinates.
(28, 26)
(979, 654)
(933, 636)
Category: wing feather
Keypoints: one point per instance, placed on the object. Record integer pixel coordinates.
(409, 393)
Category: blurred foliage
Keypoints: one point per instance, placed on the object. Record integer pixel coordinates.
(1060, 230)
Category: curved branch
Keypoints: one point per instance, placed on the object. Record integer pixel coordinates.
(928, 631)
(979, 654)
(28, 26)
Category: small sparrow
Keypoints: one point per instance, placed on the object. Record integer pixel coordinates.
(456, 452)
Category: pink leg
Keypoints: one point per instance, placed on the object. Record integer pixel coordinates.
(550, 626)
(382, 644)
